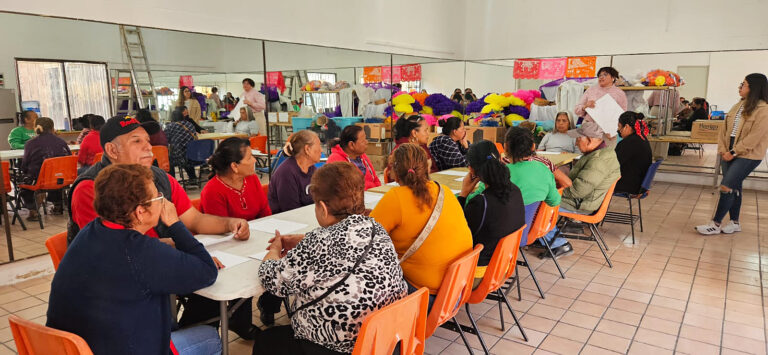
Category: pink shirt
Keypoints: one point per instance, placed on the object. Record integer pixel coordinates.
(596, 92)
(258, 103)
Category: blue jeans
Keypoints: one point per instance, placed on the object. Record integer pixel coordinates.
(198, 340)
(734, 173)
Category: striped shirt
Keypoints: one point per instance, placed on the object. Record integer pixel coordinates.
(736, 121)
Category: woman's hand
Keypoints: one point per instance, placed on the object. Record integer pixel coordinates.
(239, 227)
(168, 214)
(468, 184)
(463, 141)
(203, 131)
(727, 156)
(590, 104)
(287, 241)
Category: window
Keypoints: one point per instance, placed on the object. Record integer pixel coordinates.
(322, 102)
(65, 89)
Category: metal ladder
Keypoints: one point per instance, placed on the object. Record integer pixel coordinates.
(142, 89)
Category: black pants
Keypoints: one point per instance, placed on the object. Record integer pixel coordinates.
(28, 196)
(199, 309)
(281, 340)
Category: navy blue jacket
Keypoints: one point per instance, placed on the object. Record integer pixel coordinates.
(112, 287)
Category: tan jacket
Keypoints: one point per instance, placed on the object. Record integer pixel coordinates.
(751, 135)
(195, 112)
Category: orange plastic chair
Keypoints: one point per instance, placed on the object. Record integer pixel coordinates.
(500, 147)
(196, 204)
(401, 322)
(33, 339)
(500, 268)
(592, 221)
(161, 155)
(454, 292)
(57, 246)
(55, 174)
(259, 142)
(97, 157)
(6, 166)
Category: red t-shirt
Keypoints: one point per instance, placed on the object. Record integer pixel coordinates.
(90, 146)
(82, 203)
(250, 202)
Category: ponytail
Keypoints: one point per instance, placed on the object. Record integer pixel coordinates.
(637, 122)
(411, 167)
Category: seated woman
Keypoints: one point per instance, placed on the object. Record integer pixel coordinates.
(85, 123)
(91, 144)
(180, 132)
(350, 255)
(233, 190)
(558, 140)
(634, 152)
(288, 187)
(351, 147)
(495, 213)
(414, 130)
(107, 288)
(157, 138)
(404, 212)
(448, 149)
(36, 150)
(247, 123)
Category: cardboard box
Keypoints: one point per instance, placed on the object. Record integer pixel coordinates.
(493, 134)
(379, 162)
(707, 129)
(377, 148)
(376, 131)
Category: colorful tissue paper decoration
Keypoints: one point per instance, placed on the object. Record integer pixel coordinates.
(419, 97)
(440, 104)
(402, 102)
(431, 120)
(660, 77)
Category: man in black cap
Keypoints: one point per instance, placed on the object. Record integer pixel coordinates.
(592, 176)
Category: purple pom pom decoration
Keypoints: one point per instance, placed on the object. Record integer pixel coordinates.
(440, 104)
(416, 106)
(476, 106)
(520, 110)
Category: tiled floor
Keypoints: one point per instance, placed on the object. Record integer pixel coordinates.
(672, 292)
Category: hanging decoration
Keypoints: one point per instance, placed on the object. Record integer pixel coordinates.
(391, 74)
(275, 79)
(526, 68)
(581, 67)
(410, 72)
(372, 74)
(552, 68)
(186, 80)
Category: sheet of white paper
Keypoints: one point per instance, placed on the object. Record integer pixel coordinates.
(372, 197)
(259, 256)
(459, 179)
(207, 240)
(453, 172)
(606, 114)
(548, 153)
(272, 117)
(271, 224)
(393, 184)
(229, 260)
(455, 191)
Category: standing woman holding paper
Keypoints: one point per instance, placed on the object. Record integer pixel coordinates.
(606, 79)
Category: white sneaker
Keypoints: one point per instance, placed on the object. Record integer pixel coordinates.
(708, 229)
(731, 227)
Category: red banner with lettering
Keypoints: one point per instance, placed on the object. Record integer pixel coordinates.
(526, 68)
(410, 72)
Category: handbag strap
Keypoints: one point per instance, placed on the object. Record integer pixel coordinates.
(194, 134)
(431, 222)
(340, 282)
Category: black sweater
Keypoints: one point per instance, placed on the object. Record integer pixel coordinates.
(635, 156)
(112, 287)
(501, 219)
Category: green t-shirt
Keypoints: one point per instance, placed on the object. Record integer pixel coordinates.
(535, 181)
(19, 136)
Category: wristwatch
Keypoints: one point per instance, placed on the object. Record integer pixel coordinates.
(732, 152)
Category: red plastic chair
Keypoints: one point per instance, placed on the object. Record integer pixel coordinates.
(36, 339)
(501, 267)
(592, 221)
(55, 174)
(161, 155)
(500, 148)
(454, 292)
(401, 322)
(57, 246)
(259, 142)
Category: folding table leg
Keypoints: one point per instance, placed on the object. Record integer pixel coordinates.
(224, 328)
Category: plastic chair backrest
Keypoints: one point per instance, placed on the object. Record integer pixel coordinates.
(500, 268)
(161, 155)
(33, 339)
(597, 216)
(7, 176)
(58, 172)
(200, 149)
(650, 174)
(278, 159)
(543, 222)
(196, 204)
(259, 142)
(500, 147)
(454, 290)
(530, 213)
(57, 246)
(403, 321)
(97, 157)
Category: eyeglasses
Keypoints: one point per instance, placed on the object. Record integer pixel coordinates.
(154, 199)
(602, 75)
(741, 85)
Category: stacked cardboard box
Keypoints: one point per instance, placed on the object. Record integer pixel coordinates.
(379, 143)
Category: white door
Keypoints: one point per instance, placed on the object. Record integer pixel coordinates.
(695, 78)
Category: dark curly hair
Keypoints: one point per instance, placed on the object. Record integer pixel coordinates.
(119, 189)
(519, 143)
(340, 186)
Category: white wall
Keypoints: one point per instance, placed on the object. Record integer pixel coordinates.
(442, 77)
(365, 25)
(484, 78)
(518, 29)
(727, 70)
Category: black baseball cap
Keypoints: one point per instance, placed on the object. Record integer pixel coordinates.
(122, 124)
(481, 152)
